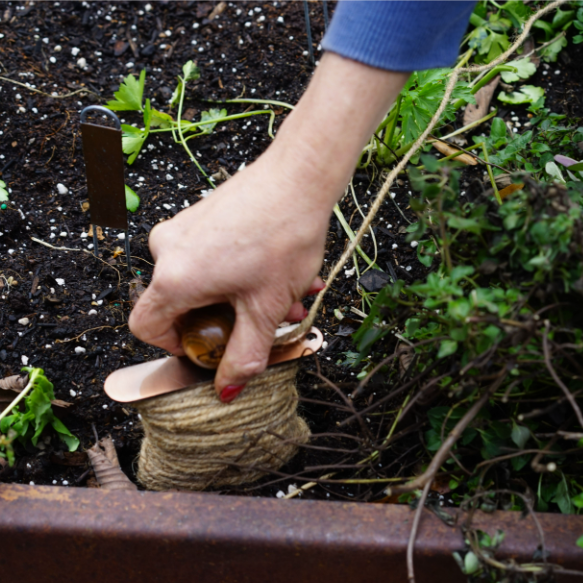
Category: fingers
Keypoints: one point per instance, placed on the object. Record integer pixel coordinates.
(246, 355)
(296, 313)
(152, 324)
(317, 286)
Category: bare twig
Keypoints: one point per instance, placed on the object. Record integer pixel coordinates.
(414, 528)
(556, 378)
(443, 452)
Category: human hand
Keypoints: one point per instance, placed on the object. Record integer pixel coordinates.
(255, 243)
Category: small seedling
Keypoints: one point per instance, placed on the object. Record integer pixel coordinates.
(37, 414)
(3, 191)
(130, 98)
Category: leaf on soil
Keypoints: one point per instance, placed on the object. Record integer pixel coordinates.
(447, 150)
(106, 466)
(209, 116)
(130, 94)
(14, 382)
(191, 71)
(374, 280)
(3, 191)
(221, 175)
(524, 69)
(132, 199)
(99, 232)
(508, 190)
(527, 94)
(60, 403)
(483, 98)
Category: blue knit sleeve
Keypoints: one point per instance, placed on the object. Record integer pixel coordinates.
(398, 35)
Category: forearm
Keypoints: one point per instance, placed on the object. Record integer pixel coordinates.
(325, 134)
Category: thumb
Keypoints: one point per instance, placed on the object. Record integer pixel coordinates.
(246, 354)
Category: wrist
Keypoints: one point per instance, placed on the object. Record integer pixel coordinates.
(321, 140)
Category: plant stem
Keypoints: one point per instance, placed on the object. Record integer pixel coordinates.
(352, 236)
(491, 174)
(391, 130)
(18, 398)
(183, 141)
(263, 101)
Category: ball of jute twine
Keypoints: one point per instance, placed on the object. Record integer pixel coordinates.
(193, 441)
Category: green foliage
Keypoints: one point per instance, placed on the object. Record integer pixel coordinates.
(132, 199)
(496, 24)
(578, 23)
(493, 268)
(130, 97)
(130, 94)
(208, 119)
(29, 424)
(421, 97)
(524, 69)
(3, 191)
(526, 94)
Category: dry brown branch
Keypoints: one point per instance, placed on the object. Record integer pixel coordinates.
(441, 455)
(414, 528)
(566, 391)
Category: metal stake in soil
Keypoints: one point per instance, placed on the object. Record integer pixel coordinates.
(102, 150)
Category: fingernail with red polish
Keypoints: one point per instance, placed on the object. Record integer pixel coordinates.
(300, 318)
(315, 290)
(230, 392)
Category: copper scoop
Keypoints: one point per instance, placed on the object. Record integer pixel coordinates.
(204, 335)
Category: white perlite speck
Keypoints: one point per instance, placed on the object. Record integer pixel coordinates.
(24, 359)
(60, 281)
(75, 51)
(62, 189)
(23, 321)
(80, 350)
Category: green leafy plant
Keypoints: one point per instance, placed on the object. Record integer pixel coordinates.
(578, 23)
(130, 97)
(526, 94)
(494, 24)
(28, 424)
(474, 326)
(3, 191)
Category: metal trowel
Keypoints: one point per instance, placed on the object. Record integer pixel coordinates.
(204, 334)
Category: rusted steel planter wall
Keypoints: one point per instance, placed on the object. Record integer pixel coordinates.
(50, 534)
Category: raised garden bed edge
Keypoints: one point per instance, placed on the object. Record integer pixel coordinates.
(62, 534)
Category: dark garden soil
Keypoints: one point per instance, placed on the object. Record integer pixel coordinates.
(67, 312)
